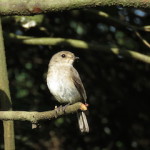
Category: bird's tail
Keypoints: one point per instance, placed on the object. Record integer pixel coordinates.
(82, 121)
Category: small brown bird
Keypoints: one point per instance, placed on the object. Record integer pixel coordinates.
(65, 84)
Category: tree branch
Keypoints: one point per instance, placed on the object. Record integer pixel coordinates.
(30, 7)
(35, 117)
(79, 44)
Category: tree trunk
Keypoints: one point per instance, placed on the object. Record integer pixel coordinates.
(5, 99)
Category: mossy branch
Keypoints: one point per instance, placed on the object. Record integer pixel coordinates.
(30, 7)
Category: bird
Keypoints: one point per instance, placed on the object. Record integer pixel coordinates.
(65, 84)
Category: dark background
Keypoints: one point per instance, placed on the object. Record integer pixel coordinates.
(118, 88)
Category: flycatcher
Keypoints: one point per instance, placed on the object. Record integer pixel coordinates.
(65, 84)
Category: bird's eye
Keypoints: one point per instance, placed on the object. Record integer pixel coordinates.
(63, 55)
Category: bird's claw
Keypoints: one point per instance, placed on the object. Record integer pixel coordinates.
(61, 109)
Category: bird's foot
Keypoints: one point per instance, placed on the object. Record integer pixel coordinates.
(57, 110)
(64, 107)
(61, 109)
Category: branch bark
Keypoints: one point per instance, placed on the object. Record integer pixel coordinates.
(35, 117)
(79, 44)
(30, 7)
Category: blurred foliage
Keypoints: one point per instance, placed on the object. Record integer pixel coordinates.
(118, 88)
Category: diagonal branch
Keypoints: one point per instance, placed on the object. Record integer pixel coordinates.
(142, 39)
(117, 22)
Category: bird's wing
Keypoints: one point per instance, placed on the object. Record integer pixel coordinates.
(78, 83)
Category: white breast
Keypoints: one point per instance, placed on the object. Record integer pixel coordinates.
(61, 86)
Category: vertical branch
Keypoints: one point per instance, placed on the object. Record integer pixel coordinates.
(5, 99)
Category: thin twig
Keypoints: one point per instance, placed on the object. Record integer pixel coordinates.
(117, 21)
(142, 39)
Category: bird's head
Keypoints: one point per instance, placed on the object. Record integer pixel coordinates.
(63, 57)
